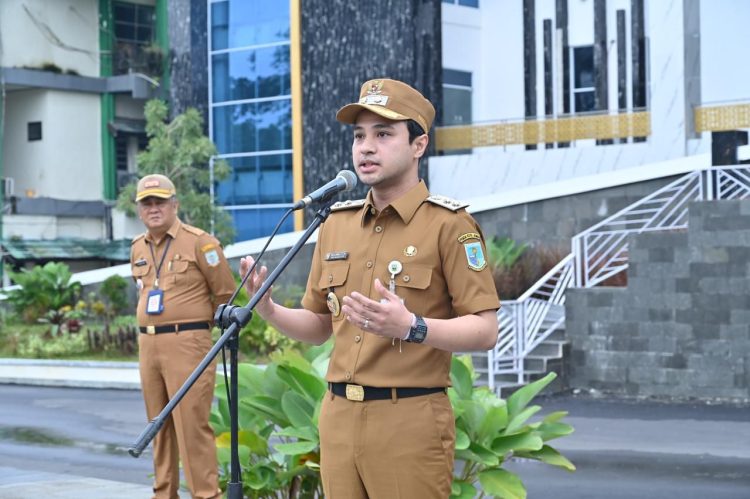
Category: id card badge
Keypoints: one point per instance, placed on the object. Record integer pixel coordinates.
(155, 302)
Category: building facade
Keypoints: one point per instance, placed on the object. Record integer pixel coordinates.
(554, 90)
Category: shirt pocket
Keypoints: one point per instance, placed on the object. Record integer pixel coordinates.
(412, 282)
(179, 271)
(333, 278)
(143, 274)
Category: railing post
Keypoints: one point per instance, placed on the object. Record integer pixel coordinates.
(491, 369)
(578, 270)
(520, 340)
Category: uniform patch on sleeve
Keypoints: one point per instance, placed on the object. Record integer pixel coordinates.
(211, 255)
(475, 256)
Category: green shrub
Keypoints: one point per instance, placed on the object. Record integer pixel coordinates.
(43, 290)
(114, 289)
(37, 347)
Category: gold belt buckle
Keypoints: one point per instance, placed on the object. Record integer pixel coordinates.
(355, 393)
(150, 329)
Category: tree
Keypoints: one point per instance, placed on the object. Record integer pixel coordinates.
(180, 150)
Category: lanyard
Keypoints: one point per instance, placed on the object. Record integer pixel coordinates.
(161, 262)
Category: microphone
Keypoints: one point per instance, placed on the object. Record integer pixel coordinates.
(344, 181)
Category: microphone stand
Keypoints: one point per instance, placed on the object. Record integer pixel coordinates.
(233, 318)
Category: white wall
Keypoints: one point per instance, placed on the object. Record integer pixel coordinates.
(67, 162)
(725, 50)
(60, 32)
(51, 227)
(125, 227)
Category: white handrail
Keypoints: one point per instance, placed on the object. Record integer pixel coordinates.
(599, 253)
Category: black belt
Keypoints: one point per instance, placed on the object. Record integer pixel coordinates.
(174, 328)
(362, 393)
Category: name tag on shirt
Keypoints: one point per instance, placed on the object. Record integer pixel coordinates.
(155, 302)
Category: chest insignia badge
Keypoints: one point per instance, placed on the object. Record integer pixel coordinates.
(410, 250)
(333, 304)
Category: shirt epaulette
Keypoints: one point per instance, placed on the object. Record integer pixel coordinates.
(137, 238)
(347, 205)
(447, 202)
(193, 230)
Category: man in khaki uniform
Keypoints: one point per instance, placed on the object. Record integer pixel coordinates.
(401, 281)
(181, 275)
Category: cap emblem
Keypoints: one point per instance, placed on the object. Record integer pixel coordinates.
(151, 183)
(375, 94)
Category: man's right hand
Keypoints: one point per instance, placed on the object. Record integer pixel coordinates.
(265, 306)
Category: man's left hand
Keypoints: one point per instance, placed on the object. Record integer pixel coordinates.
(389, 317)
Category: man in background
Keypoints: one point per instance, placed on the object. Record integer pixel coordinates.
(181, 275)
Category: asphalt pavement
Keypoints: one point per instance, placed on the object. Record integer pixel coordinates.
(64, 442)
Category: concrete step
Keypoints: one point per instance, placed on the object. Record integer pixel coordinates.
(550, 348)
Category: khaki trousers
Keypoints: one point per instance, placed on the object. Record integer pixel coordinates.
(387, 449)
(166, 361)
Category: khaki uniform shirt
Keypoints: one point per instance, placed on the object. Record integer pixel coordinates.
(433, 243)
(195, 276)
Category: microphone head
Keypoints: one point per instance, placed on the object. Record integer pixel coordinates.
(350, 178)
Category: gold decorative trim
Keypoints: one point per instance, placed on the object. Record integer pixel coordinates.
(295, 62)
(599, 127)
(722, 118)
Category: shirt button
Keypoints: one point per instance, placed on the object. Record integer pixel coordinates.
(369, 264)
(357, 339)
(407, 278)
(348, 375)
(373, 211)
(378, 228)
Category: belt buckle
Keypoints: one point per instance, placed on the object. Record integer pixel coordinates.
(150, 329)
(355, 393)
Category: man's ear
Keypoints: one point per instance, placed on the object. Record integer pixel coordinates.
(420, 145)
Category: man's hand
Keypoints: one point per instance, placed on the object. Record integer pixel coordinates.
(388, 317)
(265, 306)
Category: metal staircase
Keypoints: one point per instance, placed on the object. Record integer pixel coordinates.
(531, 339)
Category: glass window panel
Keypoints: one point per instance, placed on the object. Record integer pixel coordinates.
(259, 222)
(469, 3)
(251, 74)
(456, 106)
(219, 25)
(253, 126)
(257, 180)
(583, 70)
(125, 32)
(144, 34)
(584, 101)
(124, 12)
(242, 23)
(455, 77)
(145, 14)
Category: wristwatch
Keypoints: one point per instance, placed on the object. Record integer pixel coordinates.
(418, 330)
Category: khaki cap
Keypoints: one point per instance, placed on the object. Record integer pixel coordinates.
(155, 185)
(390, 99)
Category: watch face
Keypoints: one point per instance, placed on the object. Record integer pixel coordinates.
(419, 331)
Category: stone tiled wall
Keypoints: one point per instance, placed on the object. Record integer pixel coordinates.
(682, 325)
(553, 222)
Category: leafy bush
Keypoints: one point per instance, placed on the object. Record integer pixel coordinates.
(281, 402)
(258, 339)
(511, 281)
(35, 346)
(43, 290)
(490, 431)
(114, 289)
(503, 252)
